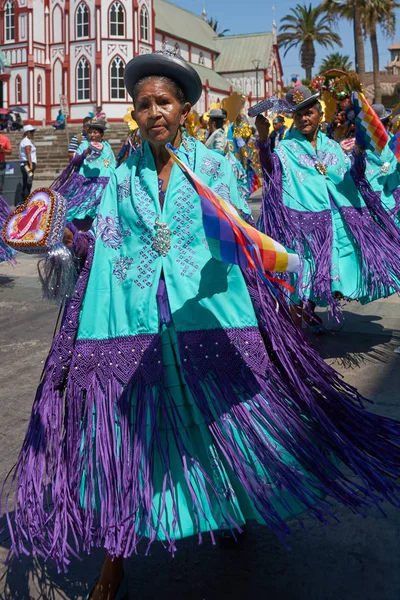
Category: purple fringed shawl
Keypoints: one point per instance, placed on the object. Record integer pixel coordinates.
(311, 233)
(373, 200)
(77, 188)
(250, 385)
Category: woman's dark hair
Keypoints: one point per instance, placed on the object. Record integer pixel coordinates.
(174, 87)
(219, 122)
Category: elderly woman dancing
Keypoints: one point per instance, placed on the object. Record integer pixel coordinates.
(176, 399)
(312, 204)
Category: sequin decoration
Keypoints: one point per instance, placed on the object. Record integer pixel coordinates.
(124, 189)
(183, 235)
(162, 238)
(146, 215)
(121, 266)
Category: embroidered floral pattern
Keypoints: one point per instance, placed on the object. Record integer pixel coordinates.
(111, 231)
(211, 167)
(124, 189)
(222, 190)
(121, 266)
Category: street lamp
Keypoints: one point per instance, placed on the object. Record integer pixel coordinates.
(256, 64)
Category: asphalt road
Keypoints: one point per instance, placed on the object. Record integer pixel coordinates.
(352, 559)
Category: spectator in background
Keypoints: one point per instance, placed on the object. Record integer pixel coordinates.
(27, 156)
(59, 123)
(5, 149)
(279, 131)
(18, 124)
(77, 139)
(100, 114)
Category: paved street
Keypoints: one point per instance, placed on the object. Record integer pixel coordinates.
(353, 559)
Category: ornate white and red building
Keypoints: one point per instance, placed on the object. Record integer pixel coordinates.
(79, 48)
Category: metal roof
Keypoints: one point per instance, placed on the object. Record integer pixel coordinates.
(215, 80)
(181, 23)
(238, 51)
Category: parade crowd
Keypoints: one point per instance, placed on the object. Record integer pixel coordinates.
(181, 396)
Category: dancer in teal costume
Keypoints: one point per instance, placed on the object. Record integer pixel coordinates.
(83, 182)
(179, 397)
(311, 203)
(379, 175)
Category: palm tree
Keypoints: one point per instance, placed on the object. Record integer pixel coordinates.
(305, 27)
(213, 23)
(336, 61)
(378, 12)
(367, 15)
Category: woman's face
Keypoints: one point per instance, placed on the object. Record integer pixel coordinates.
(95, 135)
(158, 112)
(307, 120)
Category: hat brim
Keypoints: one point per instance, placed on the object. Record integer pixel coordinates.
(307, 102)
(148, 65)
(94, 126)
(387, 114)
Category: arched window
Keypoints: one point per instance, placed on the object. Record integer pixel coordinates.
(83, 79)
(201, 58)
(9, 21)
(117, 20)
(117, 79)
(18, 90)
(82, 21)
(144, 24)
(39, 90)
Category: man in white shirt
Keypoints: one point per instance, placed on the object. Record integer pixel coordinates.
(28, 158)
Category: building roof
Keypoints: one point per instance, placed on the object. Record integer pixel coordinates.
(183, 24)
(215, 80)
(394, 47)
(238, 51)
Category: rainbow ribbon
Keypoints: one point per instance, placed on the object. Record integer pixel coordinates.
(394, 145)
(231, 239)
(370, 132)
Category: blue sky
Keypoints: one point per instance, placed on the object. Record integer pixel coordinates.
(248, 16)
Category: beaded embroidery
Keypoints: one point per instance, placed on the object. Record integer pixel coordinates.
(111, 231)
(121, 266)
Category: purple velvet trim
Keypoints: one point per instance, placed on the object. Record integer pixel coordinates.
(378, 252)
(82, 241)
(373, 199)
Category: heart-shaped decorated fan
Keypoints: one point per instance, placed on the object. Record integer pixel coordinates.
(37, 225)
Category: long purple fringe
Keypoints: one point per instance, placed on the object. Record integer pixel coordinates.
(373, 200)
(248, 384)
(302, 231)
(6, 253)
(76, 188)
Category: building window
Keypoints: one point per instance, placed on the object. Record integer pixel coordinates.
(82, 21)
(83, 79)
(18, 90)
(9, 21)
(201, 58)
(117, 20)
(117, 79)
(144, 24)
(39, 90)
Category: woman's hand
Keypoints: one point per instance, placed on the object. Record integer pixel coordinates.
(262, 125)
(68, 238)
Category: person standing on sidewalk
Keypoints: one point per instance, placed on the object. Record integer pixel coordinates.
(5, 149)
(27, 156)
